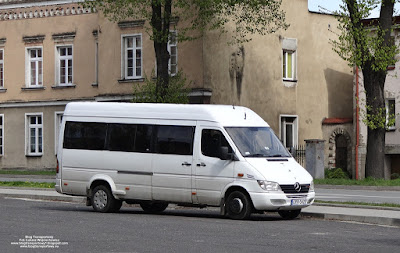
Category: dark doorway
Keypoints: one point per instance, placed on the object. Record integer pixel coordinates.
(341, 152)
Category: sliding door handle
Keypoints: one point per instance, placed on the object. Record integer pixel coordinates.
(186, 164)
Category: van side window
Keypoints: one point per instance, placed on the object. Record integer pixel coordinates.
(177, 140)
(121, 137)
(211, 142)
(85, 135)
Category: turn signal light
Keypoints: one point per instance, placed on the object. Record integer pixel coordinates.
(240, 174)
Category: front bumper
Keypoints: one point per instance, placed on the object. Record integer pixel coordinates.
(274, 201)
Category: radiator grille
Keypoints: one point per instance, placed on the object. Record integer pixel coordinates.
(289, 188)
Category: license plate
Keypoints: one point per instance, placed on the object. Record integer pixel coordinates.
(298, 202)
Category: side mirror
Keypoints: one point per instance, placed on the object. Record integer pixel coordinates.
(224, 153)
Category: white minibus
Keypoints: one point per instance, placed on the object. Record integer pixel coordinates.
(190, 155)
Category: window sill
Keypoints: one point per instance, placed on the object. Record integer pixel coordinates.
(34, 155)
(33, 88)
(2, 90)
(63, 86)
(131, 80)
(95, 85)
(391, 129)
(289, 83)
(391, 67)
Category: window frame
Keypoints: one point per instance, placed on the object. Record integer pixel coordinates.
(28, 127)
(170, 45)
(387, 105)
(124, 56)
(28, 67)
(66, 58)
(2, 68)
(2, 135)
(295, 129)
(58, 115)
(285, 68)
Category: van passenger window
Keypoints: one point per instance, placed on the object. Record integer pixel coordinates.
(85, 135)
(121, 137)
(176, 140)
(211, 142)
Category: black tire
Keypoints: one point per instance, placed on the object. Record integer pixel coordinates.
(153, 206)
(238, 206)
(289, 214)
(103, 200)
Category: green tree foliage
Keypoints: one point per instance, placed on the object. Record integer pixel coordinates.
(176, 92)
(195, 17)
(367, 43)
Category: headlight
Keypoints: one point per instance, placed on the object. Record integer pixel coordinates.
(268, 185)
(312, 186)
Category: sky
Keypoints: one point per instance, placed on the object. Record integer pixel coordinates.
(332, 5)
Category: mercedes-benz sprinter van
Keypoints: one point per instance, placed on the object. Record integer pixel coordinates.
(190, 155)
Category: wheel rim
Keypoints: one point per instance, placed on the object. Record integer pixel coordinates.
(100, 199)
(236, 205)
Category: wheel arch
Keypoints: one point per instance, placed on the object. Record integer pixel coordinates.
(228, 191)
(100, 180)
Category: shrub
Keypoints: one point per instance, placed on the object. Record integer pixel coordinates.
(337, 173)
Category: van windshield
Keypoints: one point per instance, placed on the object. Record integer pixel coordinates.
(257, 142)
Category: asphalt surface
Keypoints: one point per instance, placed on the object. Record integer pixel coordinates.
(73, 227)
(344, 212)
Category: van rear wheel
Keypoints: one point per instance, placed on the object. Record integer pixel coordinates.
(289, 214)
(153, 207)
(238, 206)
(103, 200)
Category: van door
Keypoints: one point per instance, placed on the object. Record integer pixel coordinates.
(212, 173)
(173, 162)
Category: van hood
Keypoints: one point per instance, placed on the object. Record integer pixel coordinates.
(282, 171)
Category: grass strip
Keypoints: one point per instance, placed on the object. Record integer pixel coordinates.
(364, 182)
(27, 184)
(28, 172)
(358, 203)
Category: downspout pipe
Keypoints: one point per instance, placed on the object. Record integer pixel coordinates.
(357, 121)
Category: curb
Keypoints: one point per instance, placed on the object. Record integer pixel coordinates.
(354, 218)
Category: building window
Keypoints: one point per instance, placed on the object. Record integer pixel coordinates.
(1, 68)
(1, 134)
(289, 131)
(289, 65)
(132, 57)
(390, 113)
(34, 76)
(173, 52)
(65, 65)
(34, 134)
(57, 126)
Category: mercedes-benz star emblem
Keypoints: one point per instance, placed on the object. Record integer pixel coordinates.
(297, 187)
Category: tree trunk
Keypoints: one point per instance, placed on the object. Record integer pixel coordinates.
(374, 82)
(160, 22)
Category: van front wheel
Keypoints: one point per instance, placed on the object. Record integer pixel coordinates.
(103, 200)
(238, 206)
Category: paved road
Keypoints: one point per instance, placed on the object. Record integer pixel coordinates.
(75, 228)
(368, 196)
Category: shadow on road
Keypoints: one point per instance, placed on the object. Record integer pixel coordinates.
(179, 212)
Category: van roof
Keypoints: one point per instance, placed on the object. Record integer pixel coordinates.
(226, 115)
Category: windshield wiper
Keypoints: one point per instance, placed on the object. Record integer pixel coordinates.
(256, 155)
(278, 155)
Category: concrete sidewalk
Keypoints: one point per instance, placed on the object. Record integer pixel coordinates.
(372, 215)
